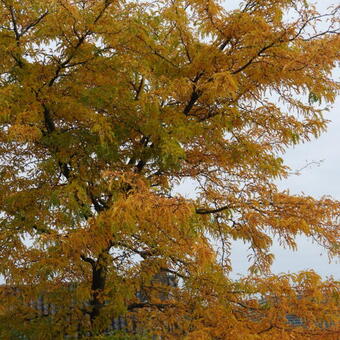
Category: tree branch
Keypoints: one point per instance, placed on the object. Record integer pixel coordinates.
(203, 211)
(88, 260)
(160, 306)
(34, 23)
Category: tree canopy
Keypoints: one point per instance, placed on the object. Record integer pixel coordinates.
(105, 107)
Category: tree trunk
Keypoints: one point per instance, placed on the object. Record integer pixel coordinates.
(99, 271)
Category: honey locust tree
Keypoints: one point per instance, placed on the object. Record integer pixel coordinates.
(105, 106)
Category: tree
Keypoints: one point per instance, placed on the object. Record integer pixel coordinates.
(105, 106)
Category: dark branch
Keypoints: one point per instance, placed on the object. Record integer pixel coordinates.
(139, 89)
(88, 260)
(194, 97)
(160, 306)
(50, 126)
(14, 22)
(248, 63)
(34, 23)
(203, 211)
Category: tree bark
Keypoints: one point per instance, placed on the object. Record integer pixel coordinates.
(99, 273)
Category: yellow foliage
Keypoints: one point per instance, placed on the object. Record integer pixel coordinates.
(105, 107)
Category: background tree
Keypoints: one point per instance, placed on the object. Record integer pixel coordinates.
(105, 106)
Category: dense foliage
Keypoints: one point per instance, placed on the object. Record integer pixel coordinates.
(106, 106)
